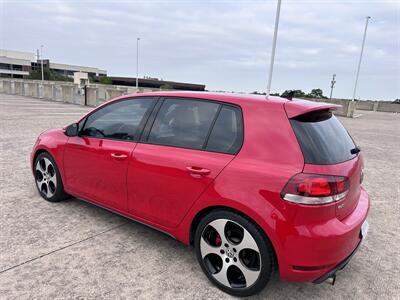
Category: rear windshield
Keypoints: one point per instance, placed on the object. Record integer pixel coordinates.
(322, 138)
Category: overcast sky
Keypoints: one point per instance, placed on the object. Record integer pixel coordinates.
(223, 44)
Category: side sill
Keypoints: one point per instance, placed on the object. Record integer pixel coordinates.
(127, 217)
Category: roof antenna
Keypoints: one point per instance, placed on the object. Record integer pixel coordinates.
(290, 95)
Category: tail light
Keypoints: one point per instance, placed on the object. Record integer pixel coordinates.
(315, 188)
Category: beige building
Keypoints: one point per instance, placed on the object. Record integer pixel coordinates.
(18, 64)
(15, 63)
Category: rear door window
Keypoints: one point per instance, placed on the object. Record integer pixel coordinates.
(183, 123)
(227, 133)
(322, 138)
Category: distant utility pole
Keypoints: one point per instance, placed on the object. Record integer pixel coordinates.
(137, 62)
(41, 55)
(271, 65)
(332, 85)
(361, 54)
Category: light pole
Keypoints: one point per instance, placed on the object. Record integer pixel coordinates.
(361, 54)
(137, 63)
(41, 55)
(332, 85)
(271, 66)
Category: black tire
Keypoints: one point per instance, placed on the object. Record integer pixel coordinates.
(266, 257)
(45, 176)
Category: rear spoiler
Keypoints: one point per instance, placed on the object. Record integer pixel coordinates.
(297, 107)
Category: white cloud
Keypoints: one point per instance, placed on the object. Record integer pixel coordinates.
(351, 49)
(65, 19)
(311, 51)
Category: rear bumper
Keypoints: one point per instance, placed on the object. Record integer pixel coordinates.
(339, 267)
(317, 251)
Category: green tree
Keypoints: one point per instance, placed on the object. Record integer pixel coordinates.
(316, 93)
(105, 80)
(48, 75)
(293, 94)
(166, 87)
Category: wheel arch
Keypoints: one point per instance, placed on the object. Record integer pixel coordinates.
(39, 151)
(203, 212)
(36, 154)
(54, 156)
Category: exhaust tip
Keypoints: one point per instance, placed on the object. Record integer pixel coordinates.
(331, 280)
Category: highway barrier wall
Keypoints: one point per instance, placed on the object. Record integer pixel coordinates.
(388, 107)
(96, 94)
(349, 107)
(67, 92)
(346, 108)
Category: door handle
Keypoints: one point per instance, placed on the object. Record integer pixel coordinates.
(198, 171)
(119, 156)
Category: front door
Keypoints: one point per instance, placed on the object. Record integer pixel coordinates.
(95, 169)
(96, 161)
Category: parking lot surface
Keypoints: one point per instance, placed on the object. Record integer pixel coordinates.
(75, 250)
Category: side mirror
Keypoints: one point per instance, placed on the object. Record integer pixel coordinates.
(72, 130)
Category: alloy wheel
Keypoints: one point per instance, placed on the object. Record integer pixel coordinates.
(230, 254)
(46, 177)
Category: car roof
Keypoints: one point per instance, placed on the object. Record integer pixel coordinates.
(234, 98)
(293, 108)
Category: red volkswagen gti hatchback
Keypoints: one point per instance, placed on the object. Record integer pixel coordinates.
(254, 184)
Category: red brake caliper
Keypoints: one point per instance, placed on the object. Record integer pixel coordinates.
(218, 240)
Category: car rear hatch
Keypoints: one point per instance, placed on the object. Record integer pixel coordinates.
(327, 148)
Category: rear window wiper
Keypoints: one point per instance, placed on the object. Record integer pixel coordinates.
(355, 150)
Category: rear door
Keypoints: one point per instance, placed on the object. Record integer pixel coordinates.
(328, 149)
(184, 148)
